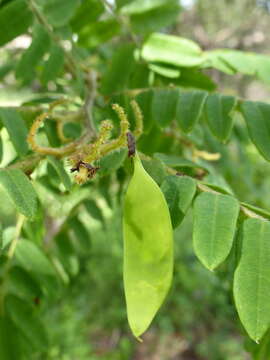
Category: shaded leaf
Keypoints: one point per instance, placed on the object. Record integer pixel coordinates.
(164, 106)
(117, 75)
(22, 314)
(178, 192)
(9, 344)
(16, 128)
(33, 55)
(59, 12)
(257, 117)
(53, 66)
(59, 168)
(15, 18)
(189, 109)
(219, 110)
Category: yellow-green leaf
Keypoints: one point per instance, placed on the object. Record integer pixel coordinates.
(148, 249)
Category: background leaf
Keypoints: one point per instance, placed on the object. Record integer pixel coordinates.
(16, 128)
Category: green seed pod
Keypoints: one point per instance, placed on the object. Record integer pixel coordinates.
(148, 249)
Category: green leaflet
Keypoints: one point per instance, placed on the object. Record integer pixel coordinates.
(178, 192)
(165, 71)
(94, 210)
(112, 161)
(251, 280)
(148, 249)
(16, 129)
(32, 259)
(164, 105)
(61, 172)
(215, 218)
(9, 336)
(141, 6)
(20, 190)
(257, 115)
(59, 12)
(219, 110)
(155, 18)
(189, 109)
(231, 61)
(15, 18)
(117, 75)
(144, 99)
(173, 50)
(33, 55)
(26, 320)
(53, 65)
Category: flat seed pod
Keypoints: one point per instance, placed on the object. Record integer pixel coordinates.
(215, 218)
(148, 249)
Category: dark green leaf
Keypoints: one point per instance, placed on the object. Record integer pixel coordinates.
(117, 75)
(15, 18)
(89, 11)
(189, 109)
(59, 168)
(53, 65)
(16, 128)
(98, 33)
(155, 19)
(33, 55)
(21, 283)
(219, 111)
(59, 12)
(20, 190)
(179, 192)
(156, 169)
(112, 162)
(257, 117)
(23, 315)
(94, 210)
(9, 340)
(164, 106)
